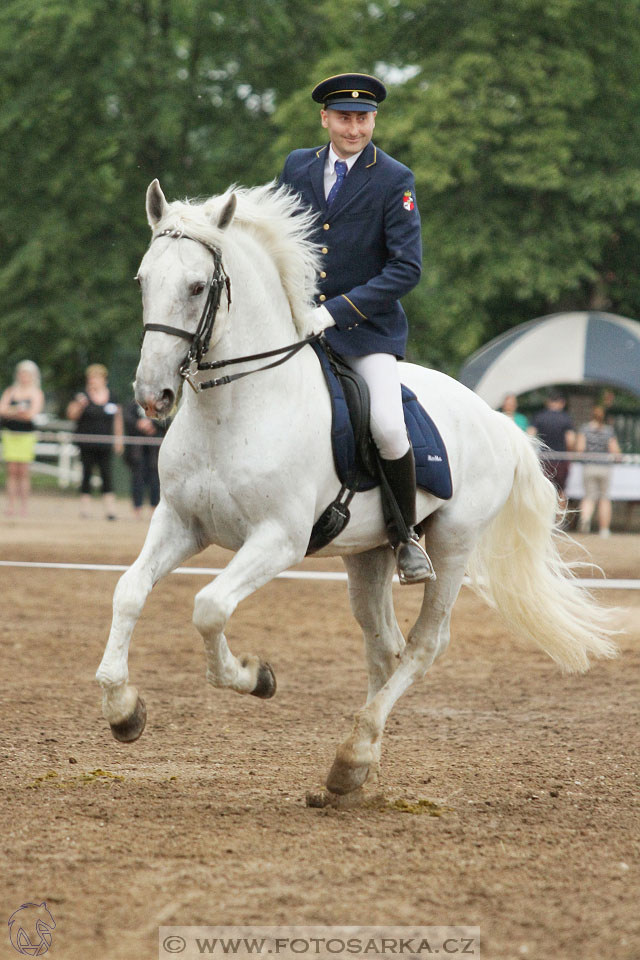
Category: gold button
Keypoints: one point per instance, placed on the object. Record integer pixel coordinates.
(325, 249)
(322, 298)
(322, 274)
(325, 226)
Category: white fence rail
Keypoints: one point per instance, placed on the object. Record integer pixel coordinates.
(58, 455)
(59, 458)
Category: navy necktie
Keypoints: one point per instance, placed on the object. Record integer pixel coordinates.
(341, 172)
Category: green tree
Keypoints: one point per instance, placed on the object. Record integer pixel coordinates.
(519, 120)
(96, 99)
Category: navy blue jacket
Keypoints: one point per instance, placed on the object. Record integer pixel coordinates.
(371, 247)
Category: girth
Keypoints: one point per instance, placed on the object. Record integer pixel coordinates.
(356, 395)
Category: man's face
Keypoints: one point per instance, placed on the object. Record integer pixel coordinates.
(349, 130)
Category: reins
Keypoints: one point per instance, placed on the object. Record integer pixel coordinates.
(200, 340)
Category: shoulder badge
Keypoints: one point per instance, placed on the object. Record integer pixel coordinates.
(407, 200)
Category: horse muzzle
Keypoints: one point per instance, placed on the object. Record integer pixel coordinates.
(156, 405)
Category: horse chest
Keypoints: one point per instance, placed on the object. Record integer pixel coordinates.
(217, 481)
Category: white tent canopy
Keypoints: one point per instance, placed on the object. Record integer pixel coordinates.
(585, 347)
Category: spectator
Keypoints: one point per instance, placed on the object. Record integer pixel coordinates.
(97, 413)
(553, 426)
(607, 401)
(597, 437)
(510, 409)
(142, 459)
(19, 405)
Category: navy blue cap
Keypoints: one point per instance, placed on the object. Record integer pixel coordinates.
(350, 91)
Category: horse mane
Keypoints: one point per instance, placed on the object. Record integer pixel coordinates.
(276, 218)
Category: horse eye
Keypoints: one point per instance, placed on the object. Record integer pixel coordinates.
(197, 289)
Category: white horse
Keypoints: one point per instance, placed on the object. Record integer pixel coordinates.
(248, 465)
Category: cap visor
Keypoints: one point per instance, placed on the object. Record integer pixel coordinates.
(356, 105)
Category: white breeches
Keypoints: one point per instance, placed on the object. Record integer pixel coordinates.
(380, 372)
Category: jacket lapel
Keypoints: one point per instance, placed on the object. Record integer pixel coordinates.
(359, 175)
(316, 173)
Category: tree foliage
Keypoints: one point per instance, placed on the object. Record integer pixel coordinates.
(518, 118)
(98, 98)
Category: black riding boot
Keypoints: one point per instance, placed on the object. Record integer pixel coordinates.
(399, 507)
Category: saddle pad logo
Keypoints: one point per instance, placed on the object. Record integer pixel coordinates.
(407, 200)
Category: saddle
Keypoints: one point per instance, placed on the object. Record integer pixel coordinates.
(355, 455)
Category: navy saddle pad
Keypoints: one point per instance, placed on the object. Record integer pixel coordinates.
(433, 473)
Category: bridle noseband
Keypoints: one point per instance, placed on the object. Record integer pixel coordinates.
(200, 340)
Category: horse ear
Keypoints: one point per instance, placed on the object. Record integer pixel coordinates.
(227, 212)
(156, 204)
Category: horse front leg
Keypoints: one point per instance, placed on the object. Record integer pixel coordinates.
(268, 552)
(168, 543)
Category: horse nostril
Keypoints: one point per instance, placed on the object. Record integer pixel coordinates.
(167, 398)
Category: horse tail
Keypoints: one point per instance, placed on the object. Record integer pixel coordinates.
(517, 568)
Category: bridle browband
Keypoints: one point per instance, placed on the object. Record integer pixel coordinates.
(200, 340)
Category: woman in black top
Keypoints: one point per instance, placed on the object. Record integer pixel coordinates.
(97, 414)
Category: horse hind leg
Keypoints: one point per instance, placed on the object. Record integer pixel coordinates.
(370, 595)
(359, 754)
(371, 598)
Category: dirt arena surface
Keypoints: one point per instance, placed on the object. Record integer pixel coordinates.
(532, 826)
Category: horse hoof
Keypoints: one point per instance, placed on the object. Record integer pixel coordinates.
(344, 779)
(350, 801)
(129, 730)
(266, 686)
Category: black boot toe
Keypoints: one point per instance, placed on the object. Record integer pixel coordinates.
(413, 563)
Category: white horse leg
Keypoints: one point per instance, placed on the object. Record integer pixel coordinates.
(429, 637)
(371, 597)
(263, 556)
(167, 544)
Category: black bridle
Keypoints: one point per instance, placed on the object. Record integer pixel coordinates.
(200, 340)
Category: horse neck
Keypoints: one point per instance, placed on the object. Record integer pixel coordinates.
(257, 320)
(260, 316)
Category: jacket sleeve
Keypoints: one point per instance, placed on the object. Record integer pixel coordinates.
(401, 271)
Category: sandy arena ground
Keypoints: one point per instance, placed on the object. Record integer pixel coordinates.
(532, 826)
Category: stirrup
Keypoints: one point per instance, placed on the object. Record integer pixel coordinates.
(413, 563)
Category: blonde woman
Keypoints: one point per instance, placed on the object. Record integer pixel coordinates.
(97, 413)
(19, 405)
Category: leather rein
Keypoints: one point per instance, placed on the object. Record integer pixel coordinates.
(200, 340)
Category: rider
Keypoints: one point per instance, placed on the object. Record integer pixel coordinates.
(369, 236)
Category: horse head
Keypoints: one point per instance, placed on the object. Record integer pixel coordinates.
(175, 293)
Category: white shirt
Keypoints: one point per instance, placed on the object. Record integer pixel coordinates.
(330, 168)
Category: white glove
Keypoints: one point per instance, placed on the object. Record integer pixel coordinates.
(321, 319)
